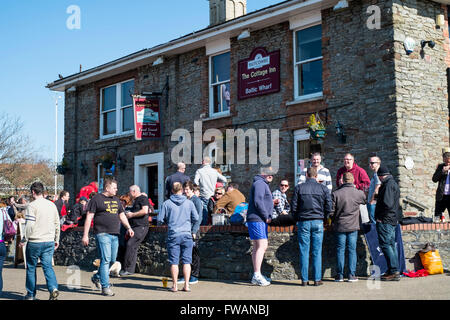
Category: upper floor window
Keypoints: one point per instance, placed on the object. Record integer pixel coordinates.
(219, 84)
(308, 61)
(116, 109)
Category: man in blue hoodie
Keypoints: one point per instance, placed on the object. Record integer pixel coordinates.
(311, 204)
(259, 215)
(180, 215)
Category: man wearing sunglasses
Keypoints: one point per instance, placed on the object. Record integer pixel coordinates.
(375, 183)
(281, 214)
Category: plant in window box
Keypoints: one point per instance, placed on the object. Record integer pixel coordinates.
(316, 128)
(106, 161)
(63, 167)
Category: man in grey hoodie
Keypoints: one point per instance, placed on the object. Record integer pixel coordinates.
(180, 215)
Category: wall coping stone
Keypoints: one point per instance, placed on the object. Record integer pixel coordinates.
(291, 229)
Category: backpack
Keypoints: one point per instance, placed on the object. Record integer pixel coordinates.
(239, 215)
(9, 230)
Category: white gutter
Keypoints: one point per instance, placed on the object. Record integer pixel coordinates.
(228, 29)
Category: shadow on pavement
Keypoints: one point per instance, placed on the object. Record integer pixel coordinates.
(12, 295)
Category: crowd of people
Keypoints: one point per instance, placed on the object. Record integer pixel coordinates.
(121, 223)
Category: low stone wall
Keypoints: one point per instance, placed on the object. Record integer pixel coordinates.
(225, 251)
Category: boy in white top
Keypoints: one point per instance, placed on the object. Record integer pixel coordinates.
(41, 237)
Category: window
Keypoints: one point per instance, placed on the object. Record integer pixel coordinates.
(308, 61)
(117, 109)
(219, 87)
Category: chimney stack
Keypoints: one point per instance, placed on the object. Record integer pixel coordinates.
(224, 10)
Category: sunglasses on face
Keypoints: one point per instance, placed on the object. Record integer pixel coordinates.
(373, 162)
(219, 193)
(284, 185)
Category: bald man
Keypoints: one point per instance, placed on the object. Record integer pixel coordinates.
(138, 219)
(178, 176)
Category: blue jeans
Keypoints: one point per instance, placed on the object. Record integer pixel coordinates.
(371, 210)
(44, 252)
(205, 211)
(386, 239)
(2, 260)
(346, 240)
(107, 245)
(310, 232)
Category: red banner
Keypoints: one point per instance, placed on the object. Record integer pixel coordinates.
(259, 74)
(146, 117)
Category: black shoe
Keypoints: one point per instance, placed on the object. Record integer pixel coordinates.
(317, 283)
(391, 277)
(304, 283)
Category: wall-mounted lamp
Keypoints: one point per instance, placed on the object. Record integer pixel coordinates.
(430, 43)
(342, 4)
(342, 137)
(160, 60)
(244, 35)
(440, 20)
(409, 45)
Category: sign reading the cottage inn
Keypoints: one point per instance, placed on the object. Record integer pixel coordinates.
(259, 74)
(146, 117)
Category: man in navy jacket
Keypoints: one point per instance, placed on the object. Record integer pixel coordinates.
(259, 215)
(311, 204)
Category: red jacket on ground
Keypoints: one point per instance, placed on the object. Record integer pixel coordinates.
(361, 178)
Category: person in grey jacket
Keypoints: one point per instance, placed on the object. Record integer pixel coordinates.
(345, 223)
(180, 215)
(206, 178)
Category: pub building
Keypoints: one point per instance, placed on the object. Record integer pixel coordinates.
(373, 72)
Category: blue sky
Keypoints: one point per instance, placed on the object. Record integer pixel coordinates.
(36, 46)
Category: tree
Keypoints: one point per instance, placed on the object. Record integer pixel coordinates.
(15, 145)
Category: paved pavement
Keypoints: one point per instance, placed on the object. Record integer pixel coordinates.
(76, 285)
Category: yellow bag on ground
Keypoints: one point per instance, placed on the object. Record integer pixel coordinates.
(432, 262)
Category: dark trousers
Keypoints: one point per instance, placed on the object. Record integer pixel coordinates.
(2, 260)
(195, 259)
(440, 206)
(131, 248)
(386, 239)
(283, 220)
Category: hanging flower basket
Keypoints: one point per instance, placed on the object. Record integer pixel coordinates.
(106, 161)
(63, 167)
(316, 129)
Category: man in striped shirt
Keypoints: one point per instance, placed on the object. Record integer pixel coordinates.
(323, 174)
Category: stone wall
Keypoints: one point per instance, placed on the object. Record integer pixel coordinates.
(421, 97)
(225, 252)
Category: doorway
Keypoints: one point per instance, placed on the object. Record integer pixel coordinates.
(149, 176)
(152, 182)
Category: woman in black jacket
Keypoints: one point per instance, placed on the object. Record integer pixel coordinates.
(441, 175)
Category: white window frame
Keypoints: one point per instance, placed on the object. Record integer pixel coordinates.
(299, 135)
(212, 86)
(298, 97)
(118, 110)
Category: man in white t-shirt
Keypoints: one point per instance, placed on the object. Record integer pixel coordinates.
(323, 174)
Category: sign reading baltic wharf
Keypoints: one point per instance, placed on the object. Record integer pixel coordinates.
(259, 74)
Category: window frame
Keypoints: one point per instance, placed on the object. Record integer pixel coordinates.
(296, 65)
(118, 109)
(212, 86)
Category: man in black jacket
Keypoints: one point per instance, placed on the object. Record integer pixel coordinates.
(387, 215)
(311, 204)
(178, 176)
(443, 190)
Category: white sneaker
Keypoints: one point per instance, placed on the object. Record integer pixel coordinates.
(260, 281)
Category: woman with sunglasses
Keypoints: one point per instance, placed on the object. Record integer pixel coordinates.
(218, 193)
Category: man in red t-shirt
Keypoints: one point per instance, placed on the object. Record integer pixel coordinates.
(362, 181)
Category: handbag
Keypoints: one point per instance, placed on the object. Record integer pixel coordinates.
(9, 230)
